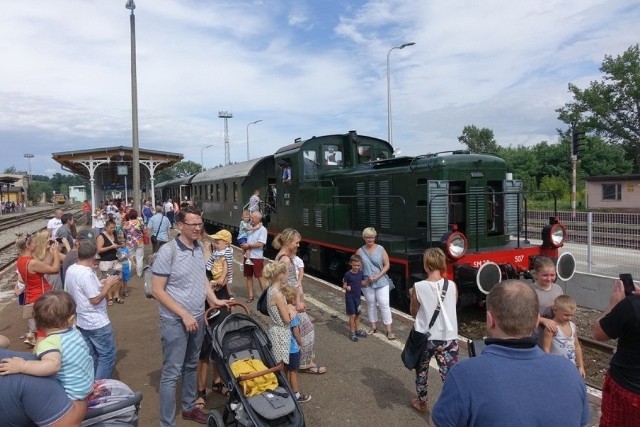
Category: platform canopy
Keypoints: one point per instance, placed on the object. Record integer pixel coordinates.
(72, 160)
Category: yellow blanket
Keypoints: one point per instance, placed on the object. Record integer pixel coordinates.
(256, 385)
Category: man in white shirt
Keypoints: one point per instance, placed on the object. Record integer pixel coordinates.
(55, 223)
(168, 210)
(92, 318)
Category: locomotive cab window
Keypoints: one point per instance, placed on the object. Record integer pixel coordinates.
(364, 153)
(332, 155)
(310, 164)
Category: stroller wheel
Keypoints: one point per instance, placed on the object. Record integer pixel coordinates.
(214, 419)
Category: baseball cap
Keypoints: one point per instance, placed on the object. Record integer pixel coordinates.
(222, 235)
(85, 234)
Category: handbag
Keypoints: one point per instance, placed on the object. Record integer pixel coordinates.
(417, 341)
(263, 304)
(392, 286)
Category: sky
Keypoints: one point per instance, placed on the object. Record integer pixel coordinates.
(304, 67)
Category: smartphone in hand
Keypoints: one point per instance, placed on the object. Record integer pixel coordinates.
(627, 281)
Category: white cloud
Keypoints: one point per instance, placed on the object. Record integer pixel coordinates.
(302, 67)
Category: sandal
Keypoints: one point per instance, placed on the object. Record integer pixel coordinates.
(391, 336)
(249, 300)
(119, 300)
(220, 388)
(201, 397)
(110, 301)
(372, 331)
(423, 408)
(317, 370)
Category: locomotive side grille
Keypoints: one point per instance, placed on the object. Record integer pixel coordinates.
(439, 202)
(373, 212)
(305, 216)
(477, 212)
(361, 205)
(511, 206)
(319, 219)
(385, 205)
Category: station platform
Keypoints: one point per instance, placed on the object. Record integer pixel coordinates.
(366, 383)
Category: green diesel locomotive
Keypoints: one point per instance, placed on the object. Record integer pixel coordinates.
(332, 187)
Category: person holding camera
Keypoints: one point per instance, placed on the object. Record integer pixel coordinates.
(621, 391)
(158, 228)
(513, 382)
(433, 306)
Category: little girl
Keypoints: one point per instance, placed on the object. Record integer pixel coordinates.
(544, 272)
(63, 352)
(279, 332)
(564, 342)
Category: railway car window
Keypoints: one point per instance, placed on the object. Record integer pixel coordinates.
(332, 155)
(310, 164)
(611, 192)
(217, 192)
(226, 192)
(364, 153)
(235, 191)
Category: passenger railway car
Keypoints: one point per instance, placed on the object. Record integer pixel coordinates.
(464, 203)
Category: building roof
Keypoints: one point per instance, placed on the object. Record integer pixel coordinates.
(613, 178)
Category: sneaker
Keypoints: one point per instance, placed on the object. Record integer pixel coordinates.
(195, 415)
(361, 334)
(248, 262)
(353, 337)
(304, 397)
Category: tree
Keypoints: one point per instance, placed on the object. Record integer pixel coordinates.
(610, 107)
(179, 170)
(478, 140)
(11, 170)
(37, 188)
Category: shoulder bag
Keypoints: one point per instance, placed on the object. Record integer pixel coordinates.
(263, 303)
(417, 341)
(154, 238)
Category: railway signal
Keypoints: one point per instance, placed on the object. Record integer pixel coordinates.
(577, 137)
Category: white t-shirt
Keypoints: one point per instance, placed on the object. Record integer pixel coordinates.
(445, 327)
(82, 284)
(259, 235)
(53, 225)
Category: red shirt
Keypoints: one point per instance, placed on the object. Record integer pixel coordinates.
(35, 283)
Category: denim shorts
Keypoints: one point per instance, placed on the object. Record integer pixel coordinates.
(352, 305)
(294, 361)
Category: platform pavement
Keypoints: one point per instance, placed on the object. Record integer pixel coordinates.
(365, 383)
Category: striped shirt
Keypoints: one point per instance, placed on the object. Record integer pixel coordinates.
(76, 367)
(184, 269)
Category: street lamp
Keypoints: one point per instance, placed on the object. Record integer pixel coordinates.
(252, 123)
(389, 125)
(201, 155)
(134, 110)
(29, 157)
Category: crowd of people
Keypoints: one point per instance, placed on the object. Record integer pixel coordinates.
(68, 277)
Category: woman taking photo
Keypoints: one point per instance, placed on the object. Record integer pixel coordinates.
(375, 264)
(287, 243)
(32, 272)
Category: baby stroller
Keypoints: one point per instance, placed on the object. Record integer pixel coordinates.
(238, 338)
(112, 403)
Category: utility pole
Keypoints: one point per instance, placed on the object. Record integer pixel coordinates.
(226, 116)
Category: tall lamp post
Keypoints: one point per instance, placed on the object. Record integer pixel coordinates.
(202, 154)
(389, 124)
(29, 157)
(252, 123)
(134, 110)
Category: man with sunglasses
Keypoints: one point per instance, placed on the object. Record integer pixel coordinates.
(180, 285)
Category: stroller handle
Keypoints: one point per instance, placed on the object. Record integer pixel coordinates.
(278, 367)
(231, 304)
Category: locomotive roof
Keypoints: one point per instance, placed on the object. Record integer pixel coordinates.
(235, 170)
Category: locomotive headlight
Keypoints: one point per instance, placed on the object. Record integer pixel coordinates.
(553, 234)
(454, 244)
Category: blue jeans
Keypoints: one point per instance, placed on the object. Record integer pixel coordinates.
(102, 345)
(180, 351)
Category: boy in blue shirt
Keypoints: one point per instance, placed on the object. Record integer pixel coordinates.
(352, 283)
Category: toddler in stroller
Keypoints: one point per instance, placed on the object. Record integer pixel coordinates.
(260, 394)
